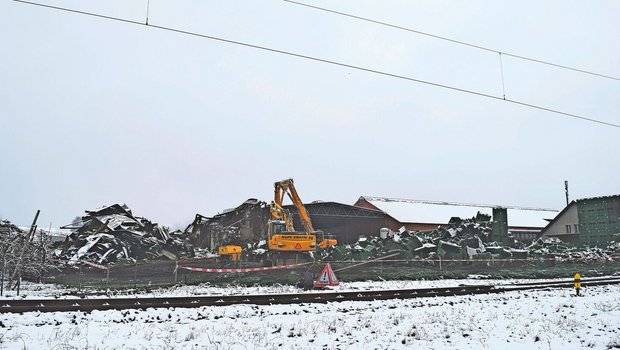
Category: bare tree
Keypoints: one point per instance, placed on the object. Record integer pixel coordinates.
(21, 254)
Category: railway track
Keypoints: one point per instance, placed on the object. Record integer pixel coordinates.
(87, 305)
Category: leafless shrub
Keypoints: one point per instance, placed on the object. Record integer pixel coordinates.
(63, 347)
(606, 306)
(614, 343)
(23, 253)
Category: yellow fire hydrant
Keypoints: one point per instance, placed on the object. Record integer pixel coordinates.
(577, 283)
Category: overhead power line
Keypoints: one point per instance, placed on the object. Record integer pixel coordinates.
(317, 59)
(366, 19)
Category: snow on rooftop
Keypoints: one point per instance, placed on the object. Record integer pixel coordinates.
(433, 212)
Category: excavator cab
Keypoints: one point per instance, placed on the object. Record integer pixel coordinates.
(277, 226)
(280, 239)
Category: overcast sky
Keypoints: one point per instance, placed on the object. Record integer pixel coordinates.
(95, 112)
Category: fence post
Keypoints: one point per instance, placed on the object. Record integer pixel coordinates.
(176, 271)
(107, 278)
(135, 275)
(3, 271)
(80, 279)
(19, 280)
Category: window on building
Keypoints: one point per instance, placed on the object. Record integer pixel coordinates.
(576, 228)
(568, 228)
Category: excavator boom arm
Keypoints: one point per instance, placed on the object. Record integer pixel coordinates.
(287, 186)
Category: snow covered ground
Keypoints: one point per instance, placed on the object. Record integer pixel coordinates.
(552, 319)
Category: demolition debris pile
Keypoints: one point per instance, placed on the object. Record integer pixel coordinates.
(560, 251)
(8, 230)
(243, 225)
(113, 234)
(471, 239)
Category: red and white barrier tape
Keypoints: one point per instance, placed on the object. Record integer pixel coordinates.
(94, 265)
(475, 260)
(247, 269)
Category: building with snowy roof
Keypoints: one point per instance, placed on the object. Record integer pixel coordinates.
(422, 215)
(593, 221)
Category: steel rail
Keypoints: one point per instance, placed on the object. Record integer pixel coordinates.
(594, 279)
(87, 305)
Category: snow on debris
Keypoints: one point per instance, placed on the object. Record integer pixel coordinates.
(113, 233)
(549, 319)
(471, 239)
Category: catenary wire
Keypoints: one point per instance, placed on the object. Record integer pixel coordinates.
(317, 59)
(501, 67)
(452, 40)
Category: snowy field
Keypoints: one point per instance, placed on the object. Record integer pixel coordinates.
(552, 319)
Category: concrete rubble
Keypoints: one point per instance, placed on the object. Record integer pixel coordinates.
(476, 238)
(562, 251)
(471, 239)
(114, 234)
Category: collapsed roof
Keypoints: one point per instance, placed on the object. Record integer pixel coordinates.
(112, 233)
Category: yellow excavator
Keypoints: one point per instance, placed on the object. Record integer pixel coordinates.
(282, 236)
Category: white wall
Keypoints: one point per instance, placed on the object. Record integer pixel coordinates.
(558, 228)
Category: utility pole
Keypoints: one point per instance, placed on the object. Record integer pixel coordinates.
(566, 189)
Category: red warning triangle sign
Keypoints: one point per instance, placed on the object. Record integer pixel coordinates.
(326, 278)
(297, 246)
